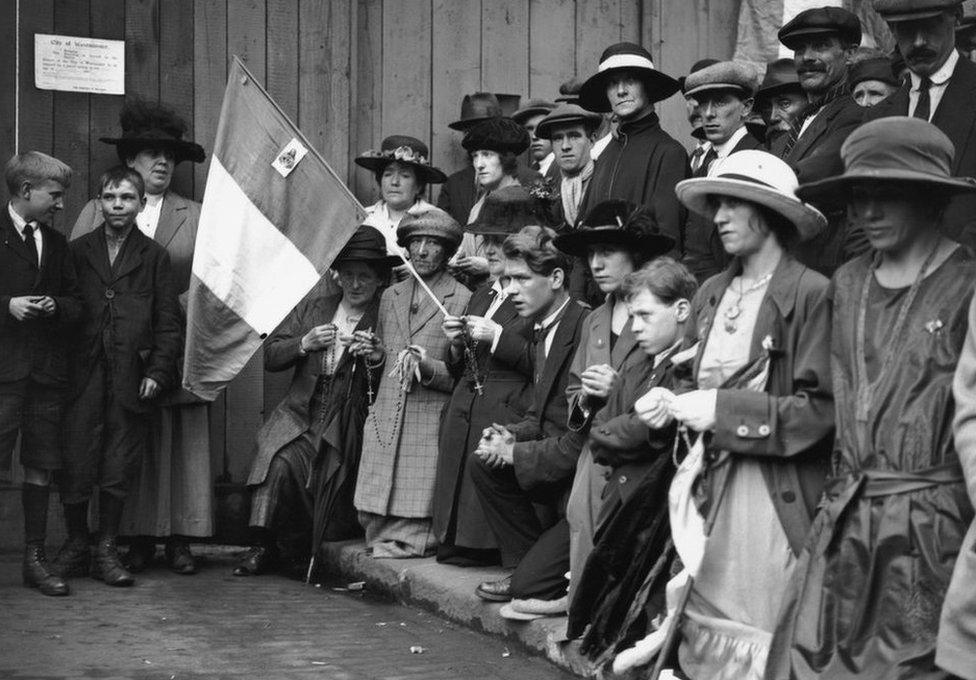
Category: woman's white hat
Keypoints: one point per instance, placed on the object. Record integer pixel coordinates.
(758, 177)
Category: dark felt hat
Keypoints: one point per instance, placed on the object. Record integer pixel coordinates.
(366, 245)
(697, 66)
(533, 107)
(616, 222)
(897, 150)
(432, 222)
(569, 91)
(476, 108)
(909, 10)
(593, 94)
(819, 21)
(147, 125)
(505, 211)
(780, 77)
(874, 68)
(566, 114)
(406, 150)
(496, 134)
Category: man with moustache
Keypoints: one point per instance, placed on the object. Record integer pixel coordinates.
(780, 100)
(823, 41)
(941, 89)
(642, 164)
(540, 149)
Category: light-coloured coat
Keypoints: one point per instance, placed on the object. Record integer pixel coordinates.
(399, 461)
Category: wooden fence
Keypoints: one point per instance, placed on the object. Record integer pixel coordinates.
(348, 72)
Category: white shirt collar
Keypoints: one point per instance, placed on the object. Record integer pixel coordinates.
(941, 76)
(19, 222)
(546, 163)
(552, 317)
(723, 150)
(499, 288)
(661, 356)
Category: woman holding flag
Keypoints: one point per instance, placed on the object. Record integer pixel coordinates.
(761, 400)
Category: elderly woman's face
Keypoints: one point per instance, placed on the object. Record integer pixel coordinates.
(487, 168)
(156, 167)
(492, 249)
(427, 254)
(399, 186)
(740, 225)
(359, 282)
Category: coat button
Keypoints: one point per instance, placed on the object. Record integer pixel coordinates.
(109, 293)
(599, 342)
(789, 496)
(742, 431)
(622, 479)
(764, 430)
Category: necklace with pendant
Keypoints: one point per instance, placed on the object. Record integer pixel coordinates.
(734, 311)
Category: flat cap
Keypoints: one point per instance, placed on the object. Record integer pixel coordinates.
(875, 68)
(821, 20)
(569, 91)
(909, 10)
(723, 75)
(566, 114)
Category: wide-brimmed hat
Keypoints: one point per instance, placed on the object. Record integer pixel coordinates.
(505, 211)
(820, 21)
(366, 245)
(909, 10)
(898, 150)
(496, 134)
(533, 107)
(566, 114)
(780, 77)
(873, 68)
(723, 75)
(406, 150)
(147, 125)
(593, 94)
(432, 222)
(755, 176)
(569, 91)
(616, 222)
(476, 108)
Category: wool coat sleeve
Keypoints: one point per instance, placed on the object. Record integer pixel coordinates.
(964, 393)
(787, 424)
(549, 460)
(668, 211)
(580, 413)
(167, 325)
(68, 303)
(281, 349)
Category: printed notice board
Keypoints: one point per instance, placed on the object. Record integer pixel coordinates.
(75, 64)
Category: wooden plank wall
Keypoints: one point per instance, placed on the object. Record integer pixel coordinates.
(348, 71)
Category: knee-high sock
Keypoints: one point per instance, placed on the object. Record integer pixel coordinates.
(35, 499)
(109, 514)
(76, 519)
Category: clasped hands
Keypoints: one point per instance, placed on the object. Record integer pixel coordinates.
(661, 406)
(497, 446)
(477, 328)
(25, 307)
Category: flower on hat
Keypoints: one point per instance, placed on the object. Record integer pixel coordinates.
(401, 153)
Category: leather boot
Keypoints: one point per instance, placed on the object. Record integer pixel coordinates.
(179, 559)
(259, 559)
(73, 558)
(37, 575)
(141, 553)
(107, 566)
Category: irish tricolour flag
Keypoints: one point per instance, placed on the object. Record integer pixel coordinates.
(274, 218)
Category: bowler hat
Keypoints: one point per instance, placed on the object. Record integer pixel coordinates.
(366, 245)
(909, 10)
(821, 20)
(566, 114)
(758, 177)
(569, 91)
(874, 68)
(723, 75)
(616, 58)
(780, 77)
(533, 107)
(147, 125)
(897, 150)
(505, 211)
(432, 222)
(616, 222)
(476, 108)
(406, 150)
(496, 134)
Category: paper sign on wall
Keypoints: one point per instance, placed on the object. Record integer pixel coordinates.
(74, 64)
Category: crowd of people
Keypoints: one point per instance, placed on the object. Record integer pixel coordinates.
(716, 407)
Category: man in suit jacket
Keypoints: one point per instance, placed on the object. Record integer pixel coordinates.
(39, 303)
(823, 40)
(723, 93)
(126, 357)
(532, 460)
(925, 34)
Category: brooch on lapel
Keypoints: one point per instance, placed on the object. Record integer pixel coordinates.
(934, 326)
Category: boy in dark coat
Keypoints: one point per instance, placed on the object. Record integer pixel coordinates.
(125, 358)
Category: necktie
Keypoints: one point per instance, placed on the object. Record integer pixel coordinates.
(696, 158)
(710, 156)
(31, 244)
(924, 105)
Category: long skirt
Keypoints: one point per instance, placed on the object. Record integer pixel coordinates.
(582, 512)
(398, 537)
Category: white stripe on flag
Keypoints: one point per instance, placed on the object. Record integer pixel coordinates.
(247, 262)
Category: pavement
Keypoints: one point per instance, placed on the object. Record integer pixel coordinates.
(215, 625)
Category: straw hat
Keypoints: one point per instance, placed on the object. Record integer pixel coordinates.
(406, 150)
(758, 177)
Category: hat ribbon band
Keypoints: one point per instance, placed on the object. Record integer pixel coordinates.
(625, 61)
(745, 178)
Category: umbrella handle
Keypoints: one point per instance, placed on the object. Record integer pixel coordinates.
(671, 638)
(311, 566)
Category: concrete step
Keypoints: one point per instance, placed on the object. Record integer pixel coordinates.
(449, 591)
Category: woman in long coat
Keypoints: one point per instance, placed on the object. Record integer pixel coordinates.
(503, 369)
(173, 497)
(395, 489)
